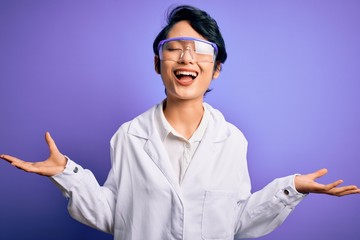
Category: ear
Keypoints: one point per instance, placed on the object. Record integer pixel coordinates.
(157, 64)
(217, 70)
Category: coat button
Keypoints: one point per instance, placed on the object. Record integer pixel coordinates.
(75, 170)
(286, 192)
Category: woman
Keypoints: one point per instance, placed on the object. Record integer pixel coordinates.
(179, 170)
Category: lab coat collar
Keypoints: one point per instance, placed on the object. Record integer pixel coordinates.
(144, 126)
(164, 128)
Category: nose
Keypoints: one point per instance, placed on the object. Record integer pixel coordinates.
(187, 56)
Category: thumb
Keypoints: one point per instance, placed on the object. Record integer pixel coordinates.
(51, 143)
(319, 173)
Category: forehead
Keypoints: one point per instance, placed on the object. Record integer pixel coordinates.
(183, 29)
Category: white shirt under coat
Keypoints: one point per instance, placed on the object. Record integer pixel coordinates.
(180, 150)
(143, 199)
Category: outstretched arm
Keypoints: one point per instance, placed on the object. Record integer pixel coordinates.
(307, 184)
(53, 165)
(90, 203)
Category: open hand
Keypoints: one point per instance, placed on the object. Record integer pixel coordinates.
(50, 167)
(307, 184)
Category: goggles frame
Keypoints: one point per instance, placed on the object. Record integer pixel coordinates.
(162, 42)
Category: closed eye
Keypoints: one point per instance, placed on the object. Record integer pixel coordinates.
(173, 49)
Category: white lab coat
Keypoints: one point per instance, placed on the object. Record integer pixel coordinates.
(141, 198)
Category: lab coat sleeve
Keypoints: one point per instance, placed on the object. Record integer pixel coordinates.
(268, 208)
(89, 203)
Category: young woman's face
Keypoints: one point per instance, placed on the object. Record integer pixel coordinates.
(186, 79)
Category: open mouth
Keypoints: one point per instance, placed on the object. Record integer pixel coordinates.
(185, 75)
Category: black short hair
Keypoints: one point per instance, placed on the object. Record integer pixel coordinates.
(200, 21)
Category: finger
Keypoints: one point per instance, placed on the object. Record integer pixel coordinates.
(20, 164)
(9, 158)
(333, 185)
(51, 143)
(318, 173)
(349, 192)
(346, 190)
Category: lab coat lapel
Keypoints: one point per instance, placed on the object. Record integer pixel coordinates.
(217, 132)
(156, 151)
(198, 167)
(154, 147)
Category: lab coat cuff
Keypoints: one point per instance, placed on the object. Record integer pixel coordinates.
(288, 194)
(70, 177)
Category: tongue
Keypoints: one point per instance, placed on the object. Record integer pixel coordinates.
(185, 79)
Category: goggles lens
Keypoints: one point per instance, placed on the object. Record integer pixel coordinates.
(174, 49)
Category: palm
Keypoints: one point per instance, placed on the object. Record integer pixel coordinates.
(50, 167)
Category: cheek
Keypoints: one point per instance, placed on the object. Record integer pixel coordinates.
(208, 73)
(164, 68)
(166, 73)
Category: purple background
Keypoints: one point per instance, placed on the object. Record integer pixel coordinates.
(81, 68)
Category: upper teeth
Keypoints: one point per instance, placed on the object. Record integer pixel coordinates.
(193, 74)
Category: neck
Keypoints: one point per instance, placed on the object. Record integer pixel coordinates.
(184, 116)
